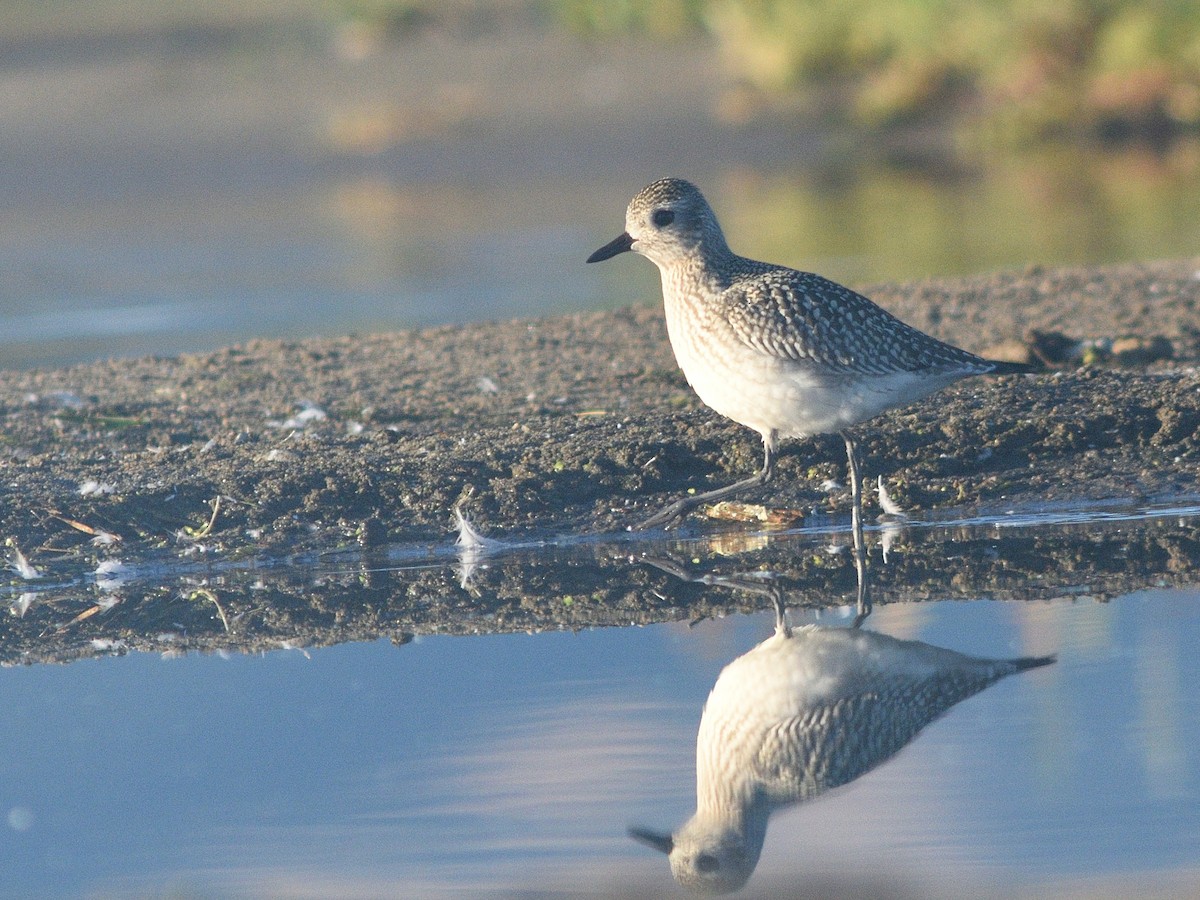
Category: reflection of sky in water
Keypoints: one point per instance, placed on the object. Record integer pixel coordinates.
(335, 256)
(507, 763)
(196, 274)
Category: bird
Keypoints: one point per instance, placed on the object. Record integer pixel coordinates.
(805, 711)
(787, 353)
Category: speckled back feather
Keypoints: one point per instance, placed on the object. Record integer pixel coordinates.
(802, 316)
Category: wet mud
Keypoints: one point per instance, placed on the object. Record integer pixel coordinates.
(578, 425)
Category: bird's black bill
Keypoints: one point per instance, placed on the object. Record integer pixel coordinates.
(660, 842)
(612, 248)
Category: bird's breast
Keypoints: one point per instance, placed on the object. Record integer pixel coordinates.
(773, 393)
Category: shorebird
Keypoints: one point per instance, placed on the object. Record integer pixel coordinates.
(789, 354)
(806, 711)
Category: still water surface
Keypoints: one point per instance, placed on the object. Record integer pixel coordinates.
(512, 764)
(99, 277)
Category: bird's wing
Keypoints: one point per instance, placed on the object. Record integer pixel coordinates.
(801, 316)
(825, 746)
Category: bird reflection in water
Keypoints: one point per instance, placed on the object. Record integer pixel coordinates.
(808, 710)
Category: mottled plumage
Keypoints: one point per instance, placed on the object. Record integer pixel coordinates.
(802, 713)
(807, 318)
(787, 353)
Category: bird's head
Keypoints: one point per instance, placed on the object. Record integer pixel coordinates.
(667, 222)
(705, 860)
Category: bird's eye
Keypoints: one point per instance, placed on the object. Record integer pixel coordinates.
(662, 218)
(707, 863)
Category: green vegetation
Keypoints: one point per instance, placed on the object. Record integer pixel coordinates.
(1060, 203)
(1019, 69)
(667, 18)
(1009, 70)
(1016, 70)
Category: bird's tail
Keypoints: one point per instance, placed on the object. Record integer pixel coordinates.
(1032, 662)
(1010, 368)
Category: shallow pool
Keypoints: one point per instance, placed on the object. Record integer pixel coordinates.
(513, 764)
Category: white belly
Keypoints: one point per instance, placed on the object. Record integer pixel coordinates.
(792, 398)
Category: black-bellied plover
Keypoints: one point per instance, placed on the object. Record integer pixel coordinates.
(806, 711)
(787, 353)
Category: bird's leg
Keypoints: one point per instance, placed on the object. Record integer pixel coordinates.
(777, 599)
(685, 505)
(856, 524)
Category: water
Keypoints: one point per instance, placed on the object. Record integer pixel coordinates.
(170, 187)
(512, 763)
(347, 254)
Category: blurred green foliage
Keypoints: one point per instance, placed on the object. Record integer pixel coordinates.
(668, 18)
(1058, 203)
(1020, 69)
(1014, 70)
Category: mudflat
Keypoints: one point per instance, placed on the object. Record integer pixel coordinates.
(583, 423)
(290, 494)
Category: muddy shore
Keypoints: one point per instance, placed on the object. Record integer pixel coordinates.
(580, 424)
